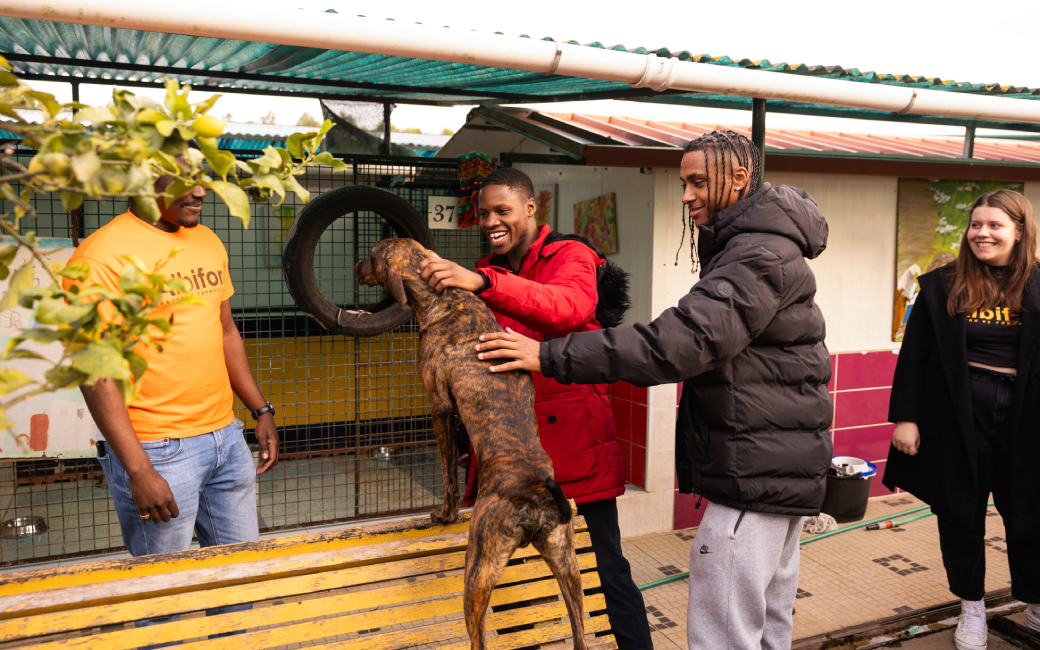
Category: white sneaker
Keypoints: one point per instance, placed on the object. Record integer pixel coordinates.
(972, 632)
(1033, 617)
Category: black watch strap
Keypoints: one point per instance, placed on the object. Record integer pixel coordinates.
(266, 408)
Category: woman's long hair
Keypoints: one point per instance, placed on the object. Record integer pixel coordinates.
(973, 286)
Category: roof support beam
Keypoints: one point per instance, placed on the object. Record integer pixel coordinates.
(969, 142)
(309, 28)
(758, 133)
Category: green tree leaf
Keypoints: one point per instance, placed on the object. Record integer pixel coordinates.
(76, 271)
(146, 208)
(55, 311)
(222, 162)
(7, 253)
(290, 184)
(101, 360)
(232, 195)
(11, 380)
(23, 279)
(326, 158)
(47, 101)
(72, 200)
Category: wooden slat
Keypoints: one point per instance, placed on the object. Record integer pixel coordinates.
(83, 618)
(57, 599)
(228, 556)
(398, 639)
(326, 610)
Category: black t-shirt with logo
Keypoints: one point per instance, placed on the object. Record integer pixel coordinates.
(992, 333)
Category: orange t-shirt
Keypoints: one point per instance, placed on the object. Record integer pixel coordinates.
(186, 391)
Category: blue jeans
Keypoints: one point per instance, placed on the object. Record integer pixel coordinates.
(213, 480)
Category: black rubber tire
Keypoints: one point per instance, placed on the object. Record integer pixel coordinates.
(302, 240)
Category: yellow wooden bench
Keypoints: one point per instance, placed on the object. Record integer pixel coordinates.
(374, 587)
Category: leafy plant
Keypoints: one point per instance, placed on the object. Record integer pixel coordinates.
(117, 151)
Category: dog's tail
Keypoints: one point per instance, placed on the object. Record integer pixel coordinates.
(560, 500)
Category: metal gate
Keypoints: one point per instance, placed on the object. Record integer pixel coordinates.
(353, 417)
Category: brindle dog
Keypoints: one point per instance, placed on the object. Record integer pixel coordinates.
(518, 503)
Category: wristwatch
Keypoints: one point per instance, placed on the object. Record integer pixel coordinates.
(266, 408)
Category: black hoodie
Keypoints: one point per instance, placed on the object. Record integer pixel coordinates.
(747, 343)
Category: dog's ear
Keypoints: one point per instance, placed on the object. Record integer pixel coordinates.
(394, 284)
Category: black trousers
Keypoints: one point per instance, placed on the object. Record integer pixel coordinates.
(625, 607)
(964, 548)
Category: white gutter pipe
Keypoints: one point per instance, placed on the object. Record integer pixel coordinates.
(309, 28)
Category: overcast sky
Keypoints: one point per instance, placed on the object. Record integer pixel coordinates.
(981, 42)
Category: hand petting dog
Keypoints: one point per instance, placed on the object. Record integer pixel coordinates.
(522, 352)
(440, 274)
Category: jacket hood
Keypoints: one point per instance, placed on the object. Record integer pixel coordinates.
(783, 210)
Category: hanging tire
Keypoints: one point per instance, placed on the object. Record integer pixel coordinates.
(302, 241)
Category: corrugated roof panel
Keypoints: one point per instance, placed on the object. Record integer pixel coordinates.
(598, 128)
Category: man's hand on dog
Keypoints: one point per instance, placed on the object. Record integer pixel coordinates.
(440, 274)
(522, 351)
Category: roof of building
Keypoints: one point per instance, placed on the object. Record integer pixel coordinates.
(621, 130)
(52, 51)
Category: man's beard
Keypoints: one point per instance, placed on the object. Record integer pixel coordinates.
(186, 223)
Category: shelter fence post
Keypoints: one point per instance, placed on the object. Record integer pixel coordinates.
(758, 132)
(387, 108)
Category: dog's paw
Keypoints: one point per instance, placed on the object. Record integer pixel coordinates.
(444, 515)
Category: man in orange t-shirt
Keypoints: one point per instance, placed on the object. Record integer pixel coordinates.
(176, 459)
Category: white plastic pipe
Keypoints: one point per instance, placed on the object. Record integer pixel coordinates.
(310, 28)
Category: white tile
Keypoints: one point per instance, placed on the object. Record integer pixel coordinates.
(660, 471)
(662, 396)
(660, 433)
(642, 514)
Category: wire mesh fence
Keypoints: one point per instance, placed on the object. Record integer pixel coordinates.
(353, 417)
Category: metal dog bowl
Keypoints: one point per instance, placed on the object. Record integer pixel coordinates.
(382, 455)
(23, 527)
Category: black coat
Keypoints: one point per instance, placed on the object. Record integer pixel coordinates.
(932, 388)
(748, 343)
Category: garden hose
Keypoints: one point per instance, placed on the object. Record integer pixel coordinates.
(862, 524)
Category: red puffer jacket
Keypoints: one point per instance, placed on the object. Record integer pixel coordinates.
(554, 295)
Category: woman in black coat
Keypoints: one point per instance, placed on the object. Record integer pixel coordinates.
(966, 403)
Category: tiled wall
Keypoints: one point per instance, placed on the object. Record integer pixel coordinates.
(629, 404)
(860, 387)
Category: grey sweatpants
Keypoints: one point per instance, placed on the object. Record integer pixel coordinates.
(743, 580)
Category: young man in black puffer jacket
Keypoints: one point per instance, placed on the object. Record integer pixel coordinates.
(753, 430)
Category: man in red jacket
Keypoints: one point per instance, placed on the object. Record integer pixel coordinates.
(544, 286)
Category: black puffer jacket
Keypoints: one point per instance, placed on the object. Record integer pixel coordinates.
(747, 342)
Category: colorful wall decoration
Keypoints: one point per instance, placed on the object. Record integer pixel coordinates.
(545, 198)
(473, 169)
(52, 425)
(932, 216)
(597, 219)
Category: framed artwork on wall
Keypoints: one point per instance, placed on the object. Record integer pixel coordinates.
(545, 197)
(597, 219)
(931, 218)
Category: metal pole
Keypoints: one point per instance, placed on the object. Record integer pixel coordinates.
(758, 132)
(386, 128)
(75, 93)
(969, 142)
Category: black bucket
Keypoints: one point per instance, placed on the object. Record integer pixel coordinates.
(846, 498)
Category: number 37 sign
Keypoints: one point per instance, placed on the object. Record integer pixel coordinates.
(440, 212)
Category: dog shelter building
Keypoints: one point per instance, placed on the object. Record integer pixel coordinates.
(353, 416)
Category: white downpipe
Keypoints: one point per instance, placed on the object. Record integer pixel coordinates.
(309, 28)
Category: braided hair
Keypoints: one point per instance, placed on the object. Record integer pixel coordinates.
(724, 151)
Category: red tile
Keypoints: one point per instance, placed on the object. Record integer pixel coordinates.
(834, 372)
(622, 419)
(868, 443)
(626, 459)
(620, 390)
(638, 466)
(861, 408)
(687, 515)
(639, 394)
(639, 424)
(866, 370)
(877, 489)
